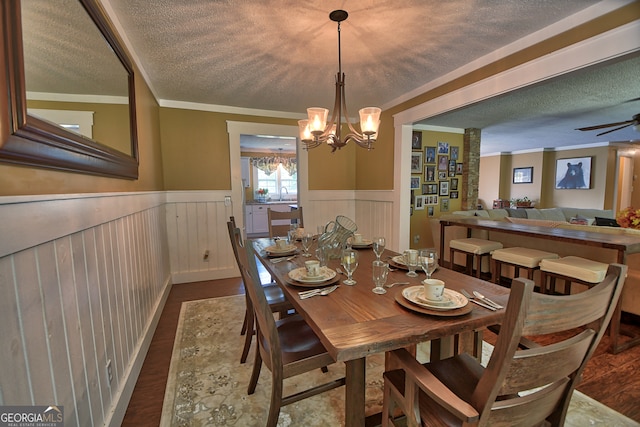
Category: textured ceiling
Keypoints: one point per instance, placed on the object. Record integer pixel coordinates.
(281, 55)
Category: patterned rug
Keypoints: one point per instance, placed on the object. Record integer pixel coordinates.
(207, 385)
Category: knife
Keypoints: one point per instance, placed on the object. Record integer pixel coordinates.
(481, 304)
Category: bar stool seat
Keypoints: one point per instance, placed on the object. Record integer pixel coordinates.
(474, 249)
(571, 269)
(519, 258)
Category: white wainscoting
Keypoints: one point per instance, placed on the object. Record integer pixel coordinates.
(83, 279)
(196, 223)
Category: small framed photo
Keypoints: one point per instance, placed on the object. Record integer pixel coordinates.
(416, 162)
(443, 163)
(452, 166)
(430, 173)
(453, 194)
(430, 155)
(429, 210)
(442, 175)
(420, 203)
(415, 182)
(416, 140)
(444, 205)
(444, 188)
(454, 184)
(523, 175)
(454, 152)
(443, 147)
(459, 167)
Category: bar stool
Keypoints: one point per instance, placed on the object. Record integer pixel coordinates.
(474, 249)
(519, 258)
(571, 269)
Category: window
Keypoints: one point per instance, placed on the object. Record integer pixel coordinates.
(277, 182)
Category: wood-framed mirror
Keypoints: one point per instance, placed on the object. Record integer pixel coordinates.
(64, 55)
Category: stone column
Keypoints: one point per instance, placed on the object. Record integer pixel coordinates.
(471, 168)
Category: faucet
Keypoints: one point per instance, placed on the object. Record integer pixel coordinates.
(285, 189)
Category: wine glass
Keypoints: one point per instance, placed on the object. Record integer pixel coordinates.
(428, 260)
(411, 260)
(349, 261)
(378, 246)
(307, 241)
(380, 270)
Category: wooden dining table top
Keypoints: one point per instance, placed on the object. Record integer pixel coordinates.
(353, 322)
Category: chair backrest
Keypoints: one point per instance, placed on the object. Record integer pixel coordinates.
(266, 328)
(282, 229)
(536, 383)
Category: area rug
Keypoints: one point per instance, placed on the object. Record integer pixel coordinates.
(207, 384)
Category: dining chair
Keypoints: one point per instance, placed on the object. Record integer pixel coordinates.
(274, 295)
(276, 228)
(530, 385)
(288, 347)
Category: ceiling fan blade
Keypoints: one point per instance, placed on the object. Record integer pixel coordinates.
(613, 130)
(608, 125)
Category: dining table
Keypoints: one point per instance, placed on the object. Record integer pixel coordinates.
(353, 322)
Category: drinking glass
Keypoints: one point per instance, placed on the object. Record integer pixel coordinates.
(411, 260)
(380, 270)
(307, 240)
(349, 261)
(378, 246)
(293, 229)
(428, 260)
(322, 257)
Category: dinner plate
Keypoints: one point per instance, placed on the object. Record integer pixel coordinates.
(274, 250)
(451, 299)
(300, 275)
(441, 313)
(363, 244)
(398, 262)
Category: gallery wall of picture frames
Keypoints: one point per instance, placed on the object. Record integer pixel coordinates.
(435, 175)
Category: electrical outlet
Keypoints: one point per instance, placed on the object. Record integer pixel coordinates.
(227, 200)
(205, 257)
(416, 238)
(109, 372)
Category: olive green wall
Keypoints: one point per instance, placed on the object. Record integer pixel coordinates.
(22, 180)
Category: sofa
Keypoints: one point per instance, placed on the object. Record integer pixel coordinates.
(573, 218)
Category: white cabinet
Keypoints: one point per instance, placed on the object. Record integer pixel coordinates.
(248, 219)
(256, 217)
(259, 218)
(245, 168)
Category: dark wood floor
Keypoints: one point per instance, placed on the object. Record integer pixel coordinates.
(610, 379)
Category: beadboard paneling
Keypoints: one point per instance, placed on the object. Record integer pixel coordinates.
(197, 222)
(72, 303)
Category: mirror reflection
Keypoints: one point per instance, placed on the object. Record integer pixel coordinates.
(72, 76)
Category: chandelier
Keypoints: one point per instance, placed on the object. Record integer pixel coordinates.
(316, 130)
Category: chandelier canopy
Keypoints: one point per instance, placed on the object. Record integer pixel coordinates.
(316, 130)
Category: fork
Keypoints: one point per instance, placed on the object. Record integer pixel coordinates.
(315, 292)
(475, 300)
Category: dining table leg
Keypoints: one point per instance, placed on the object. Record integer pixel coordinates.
(354, 393)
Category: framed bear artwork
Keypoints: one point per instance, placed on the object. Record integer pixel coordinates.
(574, 173)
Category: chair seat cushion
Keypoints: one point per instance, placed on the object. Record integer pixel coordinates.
(579, 268)
(474, 246)
(524, 257)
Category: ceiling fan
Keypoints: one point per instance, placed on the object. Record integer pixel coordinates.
(635, 121)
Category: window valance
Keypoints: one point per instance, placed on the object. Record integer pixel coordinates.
(269, 164)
